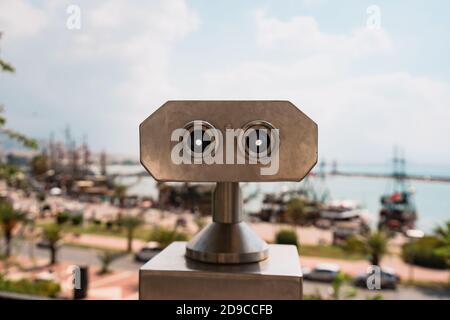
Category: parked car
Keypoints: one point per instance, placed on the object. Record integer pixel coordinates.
(325, 272)
(150, 250)
(388, 279)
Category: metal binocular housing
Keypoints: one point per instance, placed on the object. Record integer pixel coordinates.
(228, 142)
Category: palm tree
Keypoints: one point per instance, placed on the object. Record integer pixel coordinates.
(9, 218)
(296, 210)
(373, 244)
(107, 257)
(165, 236)
(443, 232)
(130, 223)
(52, 234)
(120, 192)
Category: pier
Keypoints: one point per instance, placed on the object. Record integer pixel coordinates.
(428, 178)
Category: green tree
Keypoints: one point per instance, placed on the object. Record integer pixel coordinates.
(338, 282)
(39, 165)
(443, 234)
(107, 257)
(9, 172)
(12, 134)
(165, 236)
(431, 251)
(120, 192)
(52, 234)
(428, 251)
(373, 244)
(9, 218)
(130, 223)
(296, 210)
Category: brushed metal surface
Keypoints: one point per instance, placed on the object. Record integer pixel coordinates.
(227, 243)
(227, 203)
(170, 276)
(227, 239)
(297, 134)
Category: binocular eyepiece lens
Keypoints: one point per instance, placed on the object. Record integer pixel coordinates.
(201, 135)
(257, 139)
(198, 140)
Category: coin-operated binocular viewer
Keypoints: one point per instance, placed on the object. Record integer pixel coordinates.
(226, 142)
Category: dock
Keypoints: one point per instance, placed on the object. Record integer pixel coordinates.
(428, 178)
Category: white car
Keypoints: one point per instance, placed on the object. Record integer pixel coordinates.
(322, 272)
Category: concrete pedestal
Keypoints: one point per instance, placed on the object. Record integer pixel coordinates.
(171, 276)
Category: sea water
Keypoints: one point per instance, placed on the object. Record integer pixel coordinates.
(432, 199)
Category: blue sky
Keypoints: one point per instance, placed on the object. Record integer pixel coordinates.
(367, 89)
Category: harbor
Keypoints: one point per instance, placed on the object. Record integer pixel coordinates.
(430, 197)
(277, 151)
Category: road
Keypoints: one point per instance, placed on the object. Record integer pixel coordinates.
(81, 256)
(402, 292)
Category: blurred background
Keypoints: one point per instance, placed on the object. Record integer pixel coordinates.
(77, 78)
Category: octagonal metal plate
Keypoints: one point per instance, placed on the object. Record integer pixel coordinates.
(297, 133)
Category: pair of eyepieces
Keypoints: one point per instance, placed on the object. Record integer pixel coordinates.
(257, 138)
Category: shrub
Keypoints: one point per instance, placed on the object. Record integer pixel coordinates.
(314, 296)
(109, 224)
(77, 220)
(287, 236)
(425, 252)
(45, 288)
(166, 236)
(62, 218)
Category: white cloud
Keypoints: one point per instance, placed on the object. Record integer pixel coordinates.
(310, 3)
(20, 18)
(139, 37)
(109, 75)
(361, 114)
(301, 35)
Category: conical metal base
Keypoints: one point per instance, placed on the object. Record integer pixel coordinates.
(227, 243)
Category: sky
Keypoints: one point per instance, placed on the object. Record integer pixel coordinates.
(368, 85)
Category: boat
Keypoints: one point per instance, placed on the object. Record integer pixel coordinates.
(345, 217)
(275, 205)
(398, 212)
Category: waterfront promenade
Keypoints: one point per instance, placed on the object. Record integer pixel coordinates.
(267, 231)
(122, 282)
